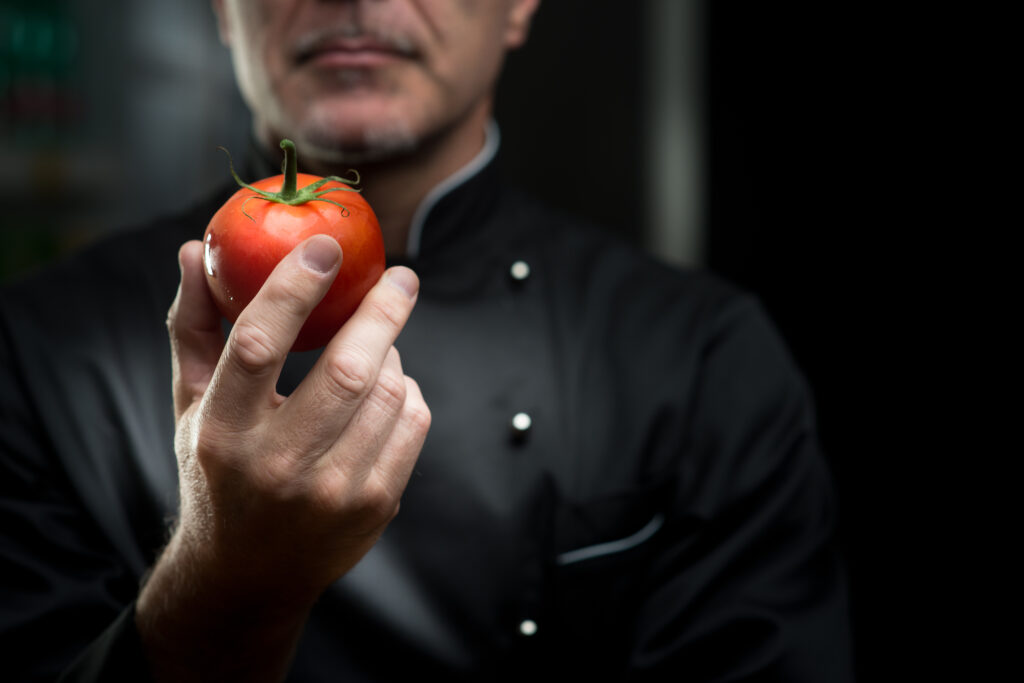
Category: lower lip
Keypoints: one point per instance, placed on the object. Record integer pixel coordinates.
(354, 59)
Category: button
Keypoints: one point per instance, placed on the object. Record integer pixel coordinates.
(519, 271)
(521, 423)
(528, 627)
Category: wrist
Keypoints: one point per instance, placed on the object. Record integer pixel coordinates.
(198, 617)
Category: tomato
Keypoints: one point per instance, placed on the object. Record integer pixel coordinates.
(262, 222)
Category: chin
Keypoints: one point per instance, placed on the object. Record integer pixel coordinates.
(361, 135)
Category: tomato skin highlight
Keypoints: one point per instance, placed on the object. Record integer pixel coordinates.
(240, 252)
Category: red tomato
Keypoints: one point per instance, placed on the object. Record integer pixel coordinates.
(249, 235)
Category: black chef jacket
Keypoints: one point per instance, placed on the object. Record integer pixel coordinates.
(659, 509)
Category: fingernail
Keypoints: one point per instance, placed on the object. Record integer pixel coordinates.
(321, 253)
(405, 280)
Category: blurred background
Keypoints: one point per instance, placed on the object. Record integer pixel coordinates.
(739, 136)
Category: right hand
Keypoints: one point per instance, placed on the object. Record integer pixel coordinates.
(282, 495)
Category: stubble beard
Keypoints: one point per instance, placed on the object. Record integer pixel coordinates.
(326, 134)
(322, 139)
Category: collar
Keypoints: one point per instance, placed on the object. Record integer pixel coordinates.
(455, 205)
(482, 160)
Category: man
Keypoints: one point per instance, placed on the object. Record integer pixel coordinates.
(620, 481)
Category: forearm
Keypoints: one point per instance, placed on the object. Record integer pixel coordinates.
(279, 495)
(200, 623)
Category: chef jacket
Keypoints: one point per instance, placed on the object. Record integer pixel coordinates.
(622, 480)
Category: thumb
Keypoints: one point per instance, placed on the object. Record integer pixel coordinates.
(193, 324)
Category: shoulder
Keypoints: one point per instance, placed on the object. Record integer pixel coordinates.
(131, 272)
(611, 288)
(100, 312)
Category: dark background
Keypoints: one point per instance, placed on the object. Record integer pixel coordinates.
(806, 205)
(811, 153)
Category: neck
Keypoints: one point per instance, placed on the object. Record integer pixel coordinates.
(396, 187)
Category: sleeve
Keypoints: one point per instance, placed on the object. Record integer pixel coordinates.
(63, 582)
(116, 655)
(747, 584)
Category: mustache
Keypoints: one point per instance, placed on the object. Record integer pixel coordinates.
(353, 36)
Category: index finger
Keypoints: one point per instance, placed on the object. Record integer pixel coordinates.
(246, 377)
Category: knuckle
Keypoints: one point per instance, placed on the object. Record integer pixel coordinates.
(326, 493)
(292, 295)
(276, 478)
(419, 418)
(213, 447)
(389, 392)
(395, 509)
(350, 372)
(387, 311)
(417, 412)
(171, 322)
(365, 505)
(376, 501)
(251, 347)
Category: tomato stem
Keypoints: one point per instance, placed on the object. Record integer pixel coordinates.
(290, 168)
(290, 194)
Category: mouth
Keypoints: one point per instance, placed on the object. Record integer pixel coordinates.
(352, 52)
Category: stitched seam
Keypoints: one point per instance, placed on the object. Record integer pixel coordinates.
(611, 547)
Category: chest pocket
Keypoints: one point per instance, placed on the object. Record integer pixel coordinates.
(603, 550)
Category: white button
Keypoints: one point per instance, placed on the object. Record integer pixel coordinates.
(528, 627)
(520, 270)
(521, 423)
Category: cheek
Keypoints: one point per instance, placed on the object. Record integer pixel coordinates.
(475, 45)
(474, 69)
(258, 38)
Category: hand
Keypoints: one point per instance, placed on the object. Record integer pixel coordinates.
(279, 495)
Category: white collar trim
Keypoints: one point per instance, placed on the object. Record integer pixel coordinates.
(492, 141)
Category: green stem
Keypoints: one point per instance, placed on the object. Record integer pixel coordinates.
(290, 168)
(290, 193)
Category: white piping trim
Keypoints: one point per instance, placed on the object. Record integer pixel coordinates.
(592, 551)
(492, 140)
